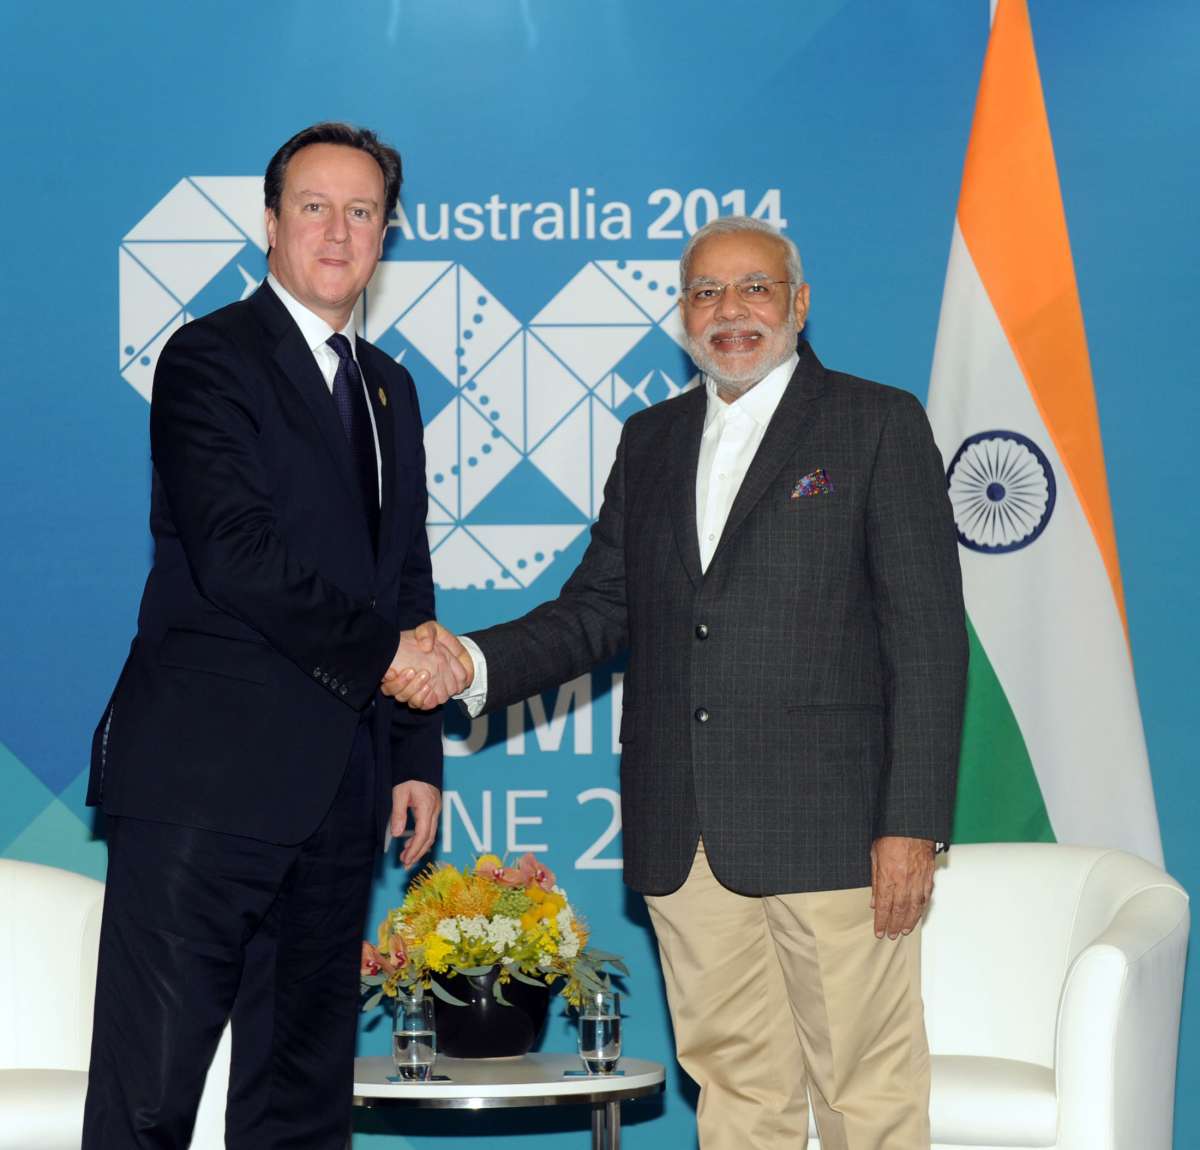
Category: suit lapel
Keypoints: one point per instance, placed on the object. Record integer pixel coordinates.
(295, 359)
(778, 443)
(683, 455)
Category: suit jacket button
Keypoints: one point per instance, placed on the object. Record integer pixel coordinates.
(316, 672)
(372, 602)
(333, 683)
(343, 689)
(702, 715)
(701, 630)
(324, 678)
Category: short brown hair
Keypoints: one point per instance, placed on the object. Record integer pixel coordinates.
(347, 135)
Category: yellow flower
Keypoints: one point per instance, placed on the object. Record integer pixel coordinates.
(536, 917)
(437, 951)
(446, 882)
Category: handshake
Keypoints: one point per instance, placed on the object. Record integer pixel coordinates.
(430, 667)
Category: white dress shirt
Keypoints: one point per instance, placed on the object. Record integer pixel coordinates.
(732, 434)
(316, 331)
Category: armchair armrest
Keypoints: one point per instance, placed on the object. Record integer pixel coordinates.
(1118, 1028)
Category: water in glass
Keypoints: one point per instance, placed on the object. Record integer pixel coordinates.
(600, 1031)
(414, 1052)
(414, 1043)
(600, 1043)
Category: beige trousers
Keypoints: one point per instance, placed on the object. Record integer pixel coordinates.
(777, 998)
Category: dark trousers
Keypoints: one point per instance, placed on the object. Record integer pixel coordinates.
(199, 926)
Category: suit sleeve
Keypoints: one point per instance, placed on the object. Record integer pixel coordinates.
(204, 428)
(585, 625)
(416, 735)
(912, 552)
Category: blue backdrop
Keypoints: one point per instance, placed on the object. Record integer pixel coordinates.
(135, 135)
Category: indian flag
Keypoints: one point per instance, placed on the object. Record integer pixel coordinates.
(1052, 743)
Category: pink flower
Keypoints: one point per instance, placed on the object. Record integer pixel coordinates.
(374, 960)
(371, 959)
(534, 873)
(490, 867)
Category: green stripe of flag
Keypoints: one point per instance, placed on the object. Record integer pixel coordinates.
(999, 799)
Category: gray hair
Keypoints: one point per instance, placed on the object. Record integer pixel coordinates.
(731, 225)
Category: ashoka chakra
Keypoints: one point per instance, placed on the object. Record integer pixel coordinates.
(1002, 490)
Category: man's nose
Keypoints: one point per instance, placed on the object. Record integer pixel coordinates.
(336, 229)
(730, 305)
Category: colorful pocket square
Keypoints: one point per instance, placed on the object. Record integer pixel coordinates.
(814, 483)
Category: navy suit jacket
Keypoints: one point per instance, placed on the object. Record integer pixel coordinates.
(267, 619)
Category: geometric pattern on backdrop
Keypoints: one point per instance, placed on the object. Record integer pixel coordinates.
(39, 825)
(522, 419)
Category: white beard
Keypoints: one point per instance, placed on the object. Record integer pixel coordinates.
(779, 346)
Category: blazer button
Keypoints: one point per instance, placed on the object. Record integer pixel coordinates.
(701, 630)
(701, 715)
(333, 683)
(316, 672)
(324, 678)
(372, 602)
(343, 689)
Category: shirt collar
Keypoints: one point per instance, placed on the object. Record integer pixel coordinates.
(759, 402)
(314, 329)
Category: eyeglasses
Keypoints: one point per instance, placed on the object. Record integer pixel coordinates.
(708, 293)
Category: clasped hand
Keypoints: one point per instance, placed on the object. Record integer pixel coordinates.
(430, 667)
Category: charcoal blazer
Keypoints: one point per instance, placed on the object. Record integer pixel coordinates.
(804, 694)
(268, 618)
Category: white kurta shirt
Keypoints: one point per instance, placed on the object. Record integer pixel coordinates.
(732, 434)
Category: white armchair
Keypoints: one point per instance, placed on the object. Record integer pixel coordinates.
(49, 936)
(1053, 977)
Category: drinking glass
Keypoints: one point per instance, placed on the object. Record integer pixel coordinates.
(414, 1037)
(600, 1031)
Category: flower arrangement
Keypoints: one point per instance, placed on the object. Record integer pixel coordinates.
(514, 918)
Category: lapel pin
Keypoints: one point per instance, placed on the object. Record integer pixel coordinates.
(382, 397)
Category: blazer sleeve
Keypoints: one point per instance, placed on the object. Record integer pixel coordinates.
(205, 418)
(912, 554)
(416, 751)
(584, 625)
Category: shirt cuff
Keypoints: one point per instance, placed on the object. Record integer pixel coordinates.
(474, 697)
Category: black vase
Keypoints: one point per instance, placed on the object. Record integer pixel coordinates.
(485, 1028)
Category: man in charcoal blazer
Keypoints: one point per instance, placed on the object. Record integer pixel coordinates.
(778, 554)
(247, 761)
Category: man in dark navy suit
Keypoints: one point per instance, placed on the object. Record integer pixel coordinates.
(247, 762)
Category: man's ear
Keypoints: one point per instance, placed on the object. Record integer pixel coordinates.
(800, 306)
(272, 223)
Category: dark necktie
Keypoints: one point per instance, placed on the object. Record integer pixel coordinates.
(351, 402)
